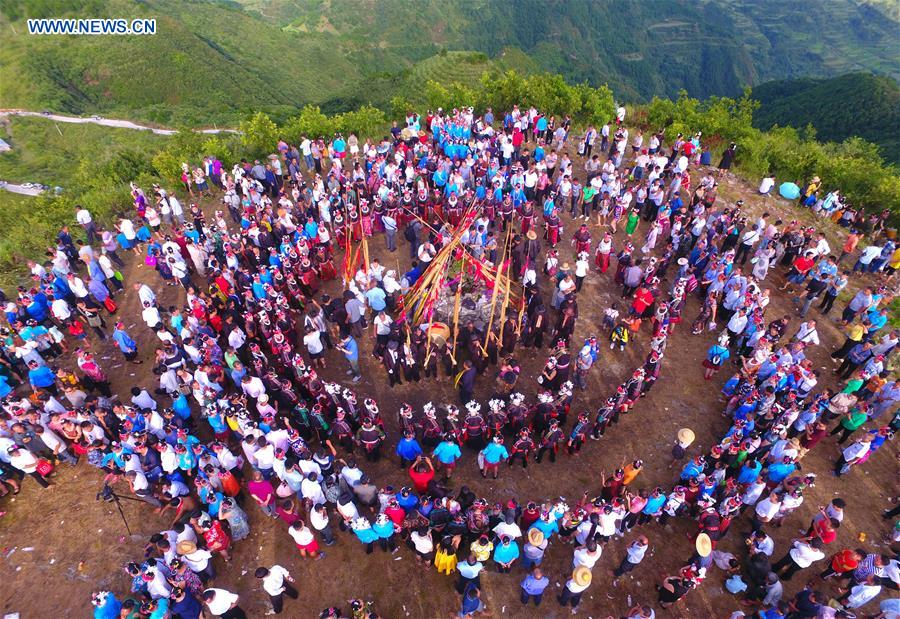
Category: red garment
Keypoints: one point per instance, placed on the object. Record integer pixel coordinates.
(421, 478)
(216, 538)
(643, 299)
(396, 514)
(827, 535)
(804, 264)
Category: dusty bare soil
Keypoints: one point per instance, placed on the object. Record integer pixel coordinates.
(59, 545)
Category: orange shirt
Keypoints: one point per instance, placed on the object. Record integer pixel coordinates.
(630, 474)
(851, 243)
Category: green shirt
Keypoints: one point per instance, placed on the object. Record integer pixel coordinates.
(854, 421)
(853, 385)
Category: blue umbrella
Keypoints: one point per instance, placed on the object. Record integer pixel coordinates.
(789, 191)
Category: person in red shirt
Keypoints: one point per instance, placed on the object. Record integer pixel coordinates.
(421, 472)
(843, 562)
(396, 513)
(826, 529)
(799, 270)
(643, 299)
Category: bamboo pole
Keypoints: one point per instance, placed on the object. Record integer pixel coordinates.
(497, 283)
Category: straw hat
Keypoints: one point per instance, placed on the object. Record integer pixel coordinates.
(186, 547)
(531, 234)
(535, 536)
(703, 544)
(582, 576)
(685, 436)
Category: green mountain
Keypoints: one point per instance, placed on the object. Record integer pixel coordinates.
(212, 61)
(857, 104)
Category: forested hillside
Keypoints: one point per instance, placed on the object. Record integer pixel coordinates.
(858, 104)
(213, 61)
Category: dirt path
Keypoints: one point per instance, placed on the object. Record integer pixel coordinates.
(108, 122)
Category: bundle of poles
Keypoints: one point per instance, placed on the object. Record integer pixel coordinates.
(419, 302)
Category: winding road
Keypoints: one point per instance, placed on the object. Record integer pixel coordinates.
(106, 122)
(87, 120)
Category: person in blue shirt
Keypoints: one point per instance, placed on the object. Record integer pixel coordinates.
(749, 471)
(349, 347)
(413, 275)
(493, 455)
(653, 507)
(184, 604)
(408, 449)
(693, 468)
(376, 298)
(407, 500)
(533, 587)
(505, 554)
(42, 377)
(780, 471)
(5, 388)
(447, 453)
(715, 357)
(125, 343)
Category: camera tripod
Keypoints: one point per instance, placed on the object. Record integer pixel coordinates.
(109, 495)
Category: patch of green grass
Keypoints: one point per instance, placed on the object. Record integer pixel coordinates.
(48, 152)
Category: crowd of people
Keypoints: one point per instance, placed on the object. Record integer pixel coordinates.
(242, 424)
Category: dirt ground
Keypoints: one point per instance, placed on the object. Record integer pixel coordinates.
(59, 545)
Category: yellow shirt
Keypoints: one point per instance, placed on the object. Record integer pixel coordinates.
(856, 331)
(482, 553)
(894, 261)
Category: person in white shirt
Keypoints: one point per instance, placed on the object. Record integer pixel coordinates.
(223, 603)
(276, 582)
(861, 594)
(852, 454)
(807, 333)
(305, 540)
(634, 554)
(141, 487)
(509, 528)
(800, 556)
(252, 386)
(26, 462)
(145, 294)
(587, 555)
(83, 217)
(311, 490)
(575, 587)
(158, 587)
(199, 560)
(766, 510)
(61, 310)
(55, 444)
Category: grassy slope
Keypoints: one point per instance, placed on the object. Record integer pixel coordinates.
(41, 154)
(854, 104)
(206, 62)
(48, 152)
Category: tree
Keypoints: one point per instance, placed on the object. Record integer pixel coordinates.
(259, 134)
(400, 107)
(311, 122)
(436, 95)
(365, 121)
(597, 104)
